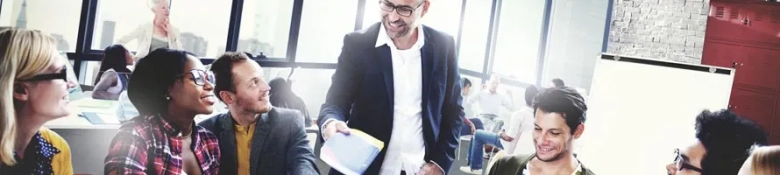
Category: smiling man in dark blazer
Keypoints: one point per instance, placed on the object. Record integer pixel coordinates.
(398, 81)
(254, 137)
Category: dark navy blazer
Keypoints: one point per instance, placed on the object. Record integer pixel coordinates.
(361, 93)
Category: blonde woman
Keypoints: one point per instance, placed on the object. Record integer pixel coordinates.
(33, 90)
(157, 34)
(763, 161)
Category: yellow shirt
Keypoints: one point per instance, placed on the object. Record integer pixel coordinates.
(61, 163)
(243, 146)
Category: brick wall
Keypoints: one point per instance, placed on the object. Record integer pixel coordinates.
(662, 29)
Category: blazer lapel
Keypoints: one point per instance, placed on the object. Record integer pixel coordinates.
(227, 143)
(262, 129)
(428, 54)
(386, 65)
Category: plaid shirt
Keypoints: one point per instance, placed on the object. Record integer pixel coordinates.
(132, 144)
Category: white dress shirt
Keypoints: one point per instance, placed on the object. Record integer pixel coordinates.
(406, 149)
(490, 103)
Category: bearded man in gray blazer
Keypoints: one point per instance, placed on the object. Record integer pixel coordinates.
(254, 137)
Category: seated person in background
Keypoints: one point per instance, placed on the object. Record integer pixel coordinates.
(558, 82)
(559, 119)
(723, 141)
(762, 161)
(520, 122)
(467, 120)
(35, 90)
(169, 88)
(281, 95)
(490, 102)
(113, 77)
(254, 137)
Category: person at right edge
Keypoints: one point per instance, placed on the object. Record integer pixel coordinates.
(398, 81)
(559, 119)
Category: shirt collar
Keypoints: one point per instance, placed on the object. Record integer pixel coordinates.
(384, 39)
(169, 129)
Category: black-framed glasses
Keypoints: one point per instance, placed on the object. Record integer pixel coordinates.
(402, 10)
(681, 162)
(200, 77)
(63, 74)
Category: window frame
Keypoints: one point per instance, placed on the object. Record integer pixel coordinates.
(84, 52)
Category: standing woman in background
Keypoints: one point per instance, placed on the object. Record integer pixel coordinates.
(113, 76)
(157, 34)
(34, 90)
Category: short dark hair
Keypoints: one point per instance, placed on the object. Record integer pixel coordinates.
(152, 77)
(558, 82)
(727, 139)
(223, 71)
(466, 82)
(530, 93)
(564, 100)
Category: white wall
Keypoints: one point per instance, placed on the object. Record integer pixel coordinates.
(576, 36)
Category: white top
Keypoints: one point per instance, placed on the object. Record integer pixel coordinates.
(406, 149)
(521, 122)
(143, 35)
(489, 103)
(467, 108)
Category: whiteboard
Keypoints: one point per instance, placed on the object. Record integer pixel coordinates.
(641, 109)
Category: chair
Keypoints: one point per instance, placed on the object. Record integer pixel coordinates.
(493, 160)
(87, 87)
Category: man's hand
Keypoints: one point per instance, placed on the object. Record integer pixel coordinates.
(505, 137)
(430, 169)
(470, 124)
(335, 126)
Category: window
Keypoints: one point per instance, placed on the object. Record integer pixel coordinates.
(442, 15)
(303, 81)
(519, 35)
(265, 27)
(59, 19)
(202, 25)
(323, 26)
(475, 34)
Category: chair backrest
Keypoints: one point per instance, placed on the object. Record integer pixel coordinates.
(493, 160)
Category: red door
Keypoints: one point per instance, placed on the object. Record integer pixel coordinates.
(757, 106)
(762, 24)
(758, 68)
(724, 21)
(721, 54)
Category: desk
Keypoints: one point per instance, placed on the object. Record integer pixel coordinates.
(105, 109)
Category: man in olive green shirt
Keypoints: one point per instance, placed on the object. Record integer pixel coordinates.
(559, 119)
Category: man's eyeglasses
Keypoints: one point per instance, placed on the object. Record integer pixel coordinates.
(402, 10)
(200, 77)
(681, 162)
(63, 74)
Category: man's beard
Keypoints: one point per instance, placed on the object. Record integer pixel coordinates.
(559, 156)
(251, 108)
(403, 32)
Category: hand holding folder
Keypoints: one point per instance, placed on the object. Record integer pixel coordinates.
(350, 154)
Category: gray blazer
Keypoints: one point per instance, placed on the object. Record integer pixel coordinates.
(279, 144)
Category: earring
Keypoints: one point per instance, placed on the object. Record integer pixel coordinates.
(167, 98)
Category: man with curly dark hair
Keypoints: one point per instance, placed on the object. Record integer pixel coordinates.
(723, 141)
